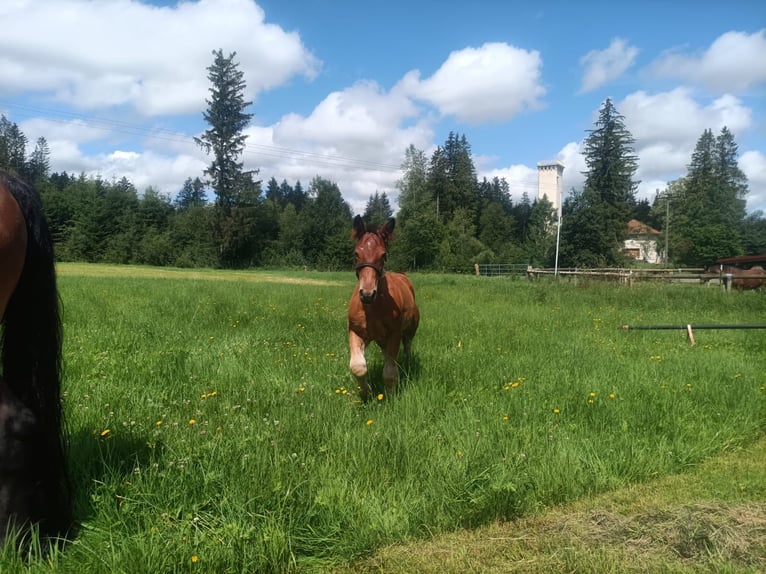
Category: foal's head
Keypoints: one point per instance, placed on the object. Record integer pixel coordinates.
(370, 254)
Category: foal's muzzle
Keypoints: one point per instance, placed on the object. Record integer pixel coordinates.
(368, 295)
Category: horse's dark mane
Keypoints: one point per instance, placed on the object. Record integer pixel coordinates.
(31, 358)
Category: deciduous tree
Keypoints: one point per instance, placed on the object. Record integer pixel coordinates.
(418, 229)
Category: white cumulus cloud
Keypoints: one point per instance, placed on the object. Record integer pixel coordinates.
(148, 58)
(604, 66)
(734, 62)
(753, 164)
(493, 82)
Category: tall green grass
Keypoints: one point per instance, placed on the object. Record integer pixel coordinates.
(214, 427)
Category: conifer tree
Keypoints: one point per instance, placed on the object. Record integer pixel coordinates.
(452, 178)
(378, 209)
(709, 209)
(224, 138)
(595, 222)
(192, 194)
(39, 161)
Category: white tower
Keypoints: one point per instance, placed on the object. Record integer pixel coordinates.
(550, 182)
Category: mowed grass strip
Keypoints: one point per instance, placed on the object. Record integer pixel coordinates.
(214, 427)
(710, 519)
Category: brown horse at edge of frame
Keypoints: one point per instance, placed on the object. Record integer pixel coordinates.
(34, 483)
(742, 279)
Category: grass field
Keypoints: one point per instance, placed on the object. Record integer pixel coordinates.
(214, 427)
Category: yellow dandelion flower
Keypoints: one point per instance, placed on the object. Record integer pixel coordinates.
(105, 432)
(505, 418)
(301, 389)
(459, 453)
(369, 422)
(194, 558)
(158, 423)
(612, 395)
(592, 394)
(192, 421)
(590, 401)
(556, 411)
(380, 397)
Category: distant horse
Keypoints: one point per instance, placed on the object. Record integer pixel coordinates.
(34, 484)
(742, 279)
(382, 307)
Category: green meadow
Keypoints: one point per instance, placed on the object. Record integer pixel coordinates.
(214, 427)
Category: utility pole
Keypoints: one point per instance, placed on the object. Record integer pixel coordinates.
(667, 225)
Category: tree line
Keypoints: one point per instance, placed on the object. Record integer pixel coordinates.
(447, 220)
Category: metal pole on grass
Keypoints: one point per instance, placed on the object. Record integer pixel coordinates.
(558, 238)
(690, 328)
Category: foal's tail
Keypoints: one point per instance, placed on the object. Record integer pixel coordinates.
(31, 359)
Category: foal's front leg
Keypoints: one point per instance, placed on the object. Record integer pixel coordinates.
(391, 365)
(358, 364)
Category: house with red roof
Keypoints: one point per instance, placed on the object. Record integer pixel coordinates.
(641, 243)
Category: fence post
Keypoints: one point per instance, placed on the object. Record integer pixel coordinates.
(727, 282)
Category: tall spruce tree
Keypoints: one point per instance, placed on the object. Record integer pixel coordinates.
(224, 138)
(39, 161)
(13, 147)
(192, 194)
(595, 222)
(378, 209)
(452, 178)
(731, 180)
(710, 212)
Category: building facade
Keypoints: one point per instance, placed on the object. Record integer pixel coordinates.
(550, 182)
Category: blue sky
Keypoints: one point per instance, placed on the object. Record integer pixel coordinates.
(341, 88)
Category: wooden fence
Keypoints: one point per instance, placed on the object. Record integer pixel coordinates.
(618, 275)
(500, 269)
(627, 275)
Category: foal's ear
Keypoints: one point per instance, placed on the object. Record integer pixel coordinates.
(388, 229)
(359, 227)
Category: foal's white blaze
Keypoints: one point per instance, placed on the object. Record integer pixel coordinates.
(368, 277)
(368, 289)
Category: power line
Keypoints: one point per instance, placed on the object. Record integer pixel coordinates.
(173, 136)
(528, 184)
